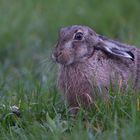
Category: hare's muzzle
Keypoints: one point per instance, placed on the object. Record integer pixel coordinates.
(56, 55)
(63, 57)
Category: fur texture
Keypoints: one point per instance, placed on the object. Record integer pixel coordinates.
(90, 63)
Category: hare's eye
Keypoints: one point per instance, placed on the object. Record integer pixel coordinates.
(78, 36)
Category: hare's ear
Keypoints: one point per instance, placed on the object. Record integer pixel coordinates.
(115, 50)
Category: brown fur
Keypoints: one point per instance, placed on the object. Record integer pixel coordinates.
(84, 67)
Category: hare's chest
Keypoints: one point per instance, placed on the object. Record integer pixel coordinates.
(74, 81)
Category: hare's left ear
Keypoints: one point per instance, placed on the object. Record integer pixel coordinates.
(114, 49)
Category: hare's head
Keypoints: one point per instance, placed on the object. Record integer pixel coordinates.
(75, 44)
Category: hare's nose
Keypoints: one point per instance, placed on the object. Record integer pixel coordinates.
(57, 54)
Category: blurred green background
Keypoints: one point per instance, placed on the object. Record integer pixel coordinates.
(28, 32)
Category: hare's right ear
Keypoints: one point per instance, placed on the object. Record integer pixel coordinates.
(114, 49)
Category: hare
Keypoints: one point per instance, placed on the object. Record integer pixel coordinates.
(88, 61)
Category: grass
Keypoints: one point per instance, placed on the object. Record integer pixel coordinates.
(28, 32)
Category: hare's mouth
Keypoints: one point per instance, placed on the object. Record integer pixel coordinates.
(63, 60)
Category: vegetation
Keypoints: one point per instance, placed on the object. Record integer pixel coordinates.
(28, 32)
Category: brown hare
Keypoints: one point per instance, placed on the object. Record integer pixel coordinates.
(88, 61)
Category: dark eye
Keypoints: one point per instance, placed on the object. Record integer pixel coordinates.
(78, 36)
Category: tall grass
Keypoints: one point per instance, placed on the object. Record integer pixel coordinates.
(28, 32)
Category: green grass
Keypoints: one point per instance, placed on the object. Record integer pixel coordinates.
(28, 32)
